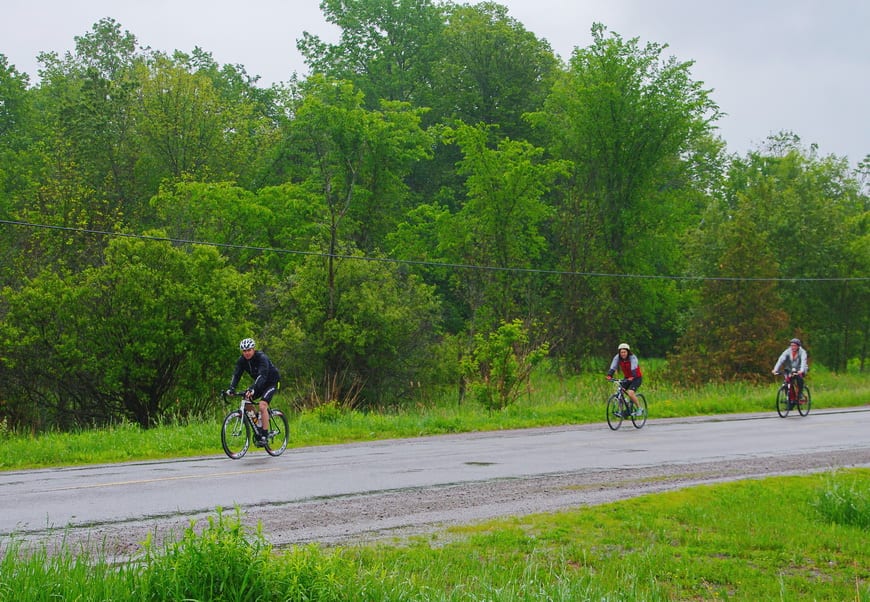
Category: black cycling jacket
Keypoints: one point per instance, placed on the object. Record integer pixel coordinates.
(261, 369)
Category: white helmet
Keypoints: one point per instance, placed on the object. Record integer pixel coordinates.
(246, 344)
(623, 346)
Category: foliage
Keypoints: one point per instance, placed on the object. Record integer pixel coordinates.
(218, 562)
(499, 226)
(501, 363)
(845, 502)
(386, 47)
(630, 122)
(585, 198)
(734, 333)
(815, 221)
(368, 339)
(119, 340)
(490, 69)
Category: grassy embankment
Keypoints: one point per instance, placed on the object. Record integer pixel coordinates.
(550, 401)
(785, 538)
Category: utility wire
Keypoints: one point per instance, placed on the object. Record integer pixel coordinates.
(456, 266)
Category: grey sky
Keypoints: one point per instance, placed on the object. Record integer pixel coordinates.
(798, 65)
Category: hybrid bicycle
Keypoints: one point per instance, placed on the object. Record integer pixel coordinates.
(787, 399)
(620, 407)
(240, 425)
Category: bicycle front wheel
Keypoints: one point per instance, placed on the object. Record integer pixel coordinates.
(638, 417)
(782, 403)
(279, 433)
(804, 403)
(614, 412)
(235, 435)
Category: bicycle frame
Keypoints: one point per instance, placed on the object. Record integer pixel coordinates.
(788, 383)
(787, 396)
(250, 409)
(625, 407)
(621, 389)
(240, 428)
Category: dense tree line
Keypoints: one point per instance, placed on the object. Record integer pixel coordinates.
(442, 202)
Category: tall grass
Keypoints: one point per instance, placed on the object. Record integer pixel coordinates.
(550, 400)
(750, 540)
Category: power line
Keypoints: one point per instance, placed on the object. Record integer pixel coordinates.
(437, 264)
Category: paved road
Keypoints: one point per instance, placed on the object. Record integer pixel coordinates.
(114, 498)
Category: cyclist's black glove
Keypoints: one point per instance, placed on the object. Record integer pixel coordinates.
(230, 391)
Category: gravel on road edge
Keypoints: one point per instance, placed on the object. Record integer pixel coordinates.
(397, 515)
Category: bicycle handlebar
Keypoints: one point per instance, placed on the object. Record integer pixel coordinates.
(225, 394)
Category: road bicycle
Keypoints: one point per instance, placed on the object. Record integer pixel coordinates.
(620, 407)
(786, 397)
(240, 425)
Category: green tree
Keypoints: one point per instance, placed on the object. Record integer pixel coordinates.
(16, 158)
(15, 118)
(187, 128)
(219, 213)
(491, 70)
(499, 226)
(87, 98)
(356, 159)
(386, 47)
(734, 332)
(373, 346)
(626, 118)
(815, 216)
(251, 114)
(123, 340)
(501, 364)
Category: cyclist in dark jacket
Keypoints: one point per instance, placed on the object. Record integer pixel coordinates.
(266, 381)
(627, 363)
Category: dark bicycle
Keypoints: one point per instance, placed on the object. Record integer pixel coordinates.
(620, 407)
(240, 425)
(787, 399)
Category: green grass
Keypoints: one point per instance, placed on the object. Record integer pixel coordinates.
(550, 401)
(789, 538)
(770, 539)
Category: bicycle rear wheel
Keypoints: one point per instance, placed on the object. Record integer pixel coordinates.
(235, 435)
(614, 412)
(804, 403)
(782, 403)
(639, 419)
(277, 443)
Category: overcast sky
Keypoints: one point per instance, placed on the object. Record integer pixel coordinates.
(797, 65)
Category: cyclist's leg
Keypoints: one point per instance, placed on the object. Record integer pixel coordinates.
(271, 389)
(631, 389)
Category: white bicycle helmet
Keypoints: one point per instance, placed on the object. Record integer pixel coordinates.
(623, 346)
(246, 344)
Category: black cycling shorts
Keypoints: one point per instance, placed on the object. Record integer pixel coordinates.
(634, 383)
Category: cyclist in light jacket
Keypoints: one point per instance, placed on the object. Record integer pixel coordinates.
(794, 359)
(627, 363)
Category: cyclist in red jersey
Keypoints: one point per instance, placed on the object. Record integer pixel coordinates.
(627, 363)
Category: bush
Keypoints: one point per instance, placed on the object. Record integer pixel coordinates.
(845, 503)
